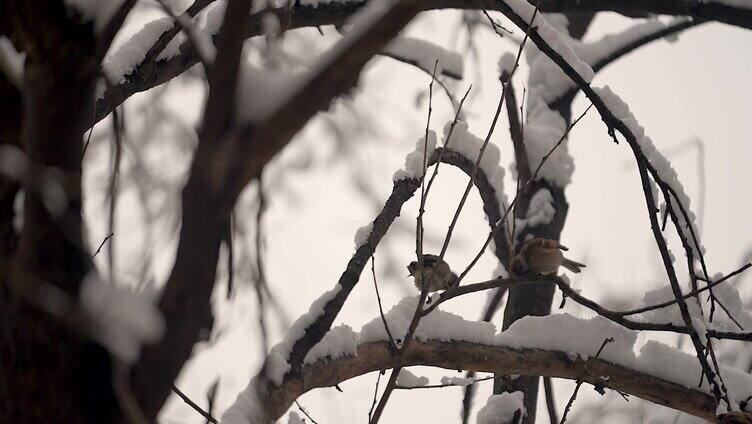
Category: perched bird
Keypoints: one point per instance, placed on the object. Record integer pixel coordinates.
(437, 272)
(542, 256)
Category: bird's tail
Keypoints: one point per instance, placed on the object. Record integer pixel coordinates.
(573, 266)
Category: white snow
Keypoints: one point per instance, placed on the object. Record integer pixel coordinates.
(552, 37)
(362, 234)
(414, 160)
(540, 211)
(408, 379)
(458, 381)
(425, 54)
(599, 50)
(338, 342)
(731, 299)
(468, 145)
(543, 129)
(662, 166)
(99, 11)
(124, 60)
(501, 408)
(276, 362)
(669, 314)
(438, 325)
(577, 337)
(122, 320)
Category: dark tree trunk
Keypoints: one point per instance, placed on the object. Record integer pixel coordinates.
(49, 371)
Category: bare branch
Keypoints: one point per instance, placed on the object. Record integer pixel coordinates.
(581, 379)
(193, 405)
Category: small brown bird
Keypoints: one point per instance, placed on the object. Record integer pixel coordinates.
(735, 417)
(437, 272)
(542, 256)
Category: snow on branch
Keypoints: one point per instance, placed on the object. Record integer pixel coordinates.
(312, 13)
(424, 53)
(309, 330)
(504, 408)
(558, 345)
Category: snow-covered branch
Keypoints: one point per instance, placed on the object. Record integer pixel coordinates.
(531, 346)
(152, 71)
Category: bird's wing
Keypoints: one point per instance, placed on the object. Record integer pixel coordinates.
(531, 245)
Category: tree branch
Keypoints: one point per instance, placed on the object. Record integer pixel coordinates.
(493, 359)
(151, 72)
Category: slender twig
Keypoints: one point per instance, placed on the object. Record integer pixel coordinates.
(485, 142)
(686, 296)
(303, 410)
(548, 388)
(99, 249)
(260, 269)
(193, 405)
(582, 378)
(392, 343)
(118, 126)
(502, 220)
(421, 269)
(375, 395)
(447, 141)
(211, 395)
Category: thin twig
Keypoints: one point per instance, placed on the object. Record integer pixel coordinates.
(375, 395)
(548, 388)
(305, 412)
(392, 343)
(99, 249)
(118, 125)
(421, 269)
(193, 405)
(686, 296)
(260, 269)
(485, 142)
(186, 25)
(446, 142)
(582, 378)
(502, 220)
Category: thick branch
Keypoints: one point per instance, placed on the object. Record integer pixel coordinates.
(492, 359)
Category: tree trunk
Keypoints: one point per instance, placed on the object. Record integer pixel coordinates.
(49, 371)
(536, 300)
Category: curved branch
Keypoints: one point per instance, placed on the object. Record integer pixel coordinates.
(403, 190)
(492, 359)
(627, 48)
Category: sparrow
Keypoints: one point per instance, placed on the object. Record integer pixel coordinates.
(437, 272)
(542, 256)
